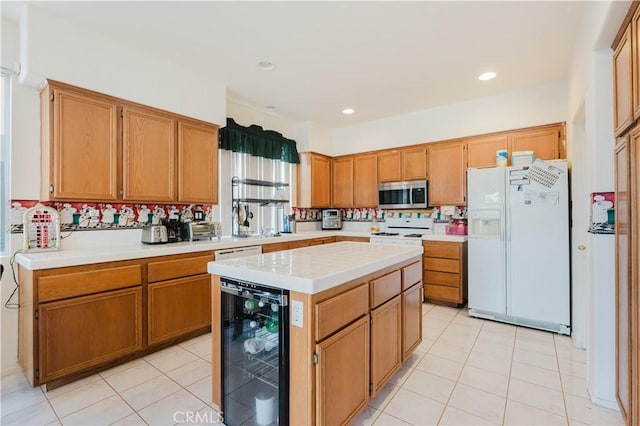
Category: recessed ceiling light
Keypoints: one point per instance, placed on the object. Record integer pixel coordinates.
(487, 76)
(271, 107)
(348, 111)
(265, 65)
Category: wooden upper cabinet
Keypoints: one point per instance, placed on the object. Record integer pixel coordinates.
(79, 145)
(365, 180)
(343, 182)
(623, 101)
(197, 162)
(314, 180)
(481, 151)
(545, 142)
(635, 63)
(389, 166)
(149, 151)
(447, 174)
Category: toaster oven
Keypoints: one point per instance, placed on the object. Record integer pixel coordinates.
(194, 231)
(331, 219)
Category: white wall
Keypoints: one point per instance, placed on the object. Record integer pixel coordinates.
(512, 110)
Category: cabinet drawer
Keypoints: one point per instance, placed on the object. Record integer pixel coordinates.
(87, 282)
(441, 278)
(442, 250)
(442, 265)
(269, 248)
(385, 287)
(176, 268)
(411, 275)
(335, 313)
(440, 292)
(299, 244)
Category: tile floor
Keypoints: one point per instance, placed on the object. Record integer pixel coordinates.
(466, 372)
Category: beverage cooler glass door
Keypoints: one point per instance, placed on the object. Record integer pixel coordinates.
(255, 353)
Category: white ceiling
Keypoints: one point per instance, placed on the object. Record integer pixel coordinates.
(380, 58)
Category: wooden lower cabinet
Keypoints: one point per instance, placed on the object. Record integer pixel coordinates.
(342, 374)
(82, 332)
(386, 342)
(411, 319)
(178, 307)
(445, 272)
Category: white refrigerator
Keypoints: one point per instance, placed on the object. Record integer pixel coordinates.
(518, 245)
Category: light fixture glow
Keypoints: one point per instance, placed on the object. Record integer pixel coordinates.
(487, 76)
(348, 111)
(265, 65)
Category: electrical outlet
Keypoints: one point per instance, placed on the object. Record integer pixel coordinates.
(297, 313)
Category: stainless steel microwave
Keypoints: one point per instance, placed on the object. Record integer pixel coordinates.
(412, 194)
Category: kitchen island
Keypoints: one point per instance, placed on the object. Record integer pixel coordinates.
(355, 316)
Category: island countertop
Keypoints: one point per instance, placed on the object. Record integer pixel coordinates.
(314, 269)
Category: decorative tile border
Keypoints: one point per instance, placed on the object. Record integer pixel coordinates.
(82, 215)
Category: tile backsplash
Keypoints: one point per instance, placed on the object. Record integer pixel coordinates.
(79, 215)
(358, 214)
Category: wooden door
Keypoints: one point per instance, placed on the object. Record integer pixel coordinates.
(342, 374)
(365, 180)
(343, 182)
(623, 280)
(389, 166)
(414, 163)
(178, 307)
(197, 163)
(386, 342)
(543, 141)
(82, 332)
(411, 319)
(80, 156)
(481, 151)
(148, 154)
(623, 101)
(447, 174)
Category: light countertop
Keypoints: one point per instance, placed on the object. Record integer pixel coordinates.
(314, 269)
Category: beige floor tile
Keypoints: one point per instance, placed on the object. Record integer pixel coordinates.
(202, 389)
(191, 372)
(522, 414)
(131, 420)
(37, 414)
(131, 377)
(535, 358)
(443, 313)
(530, 334)
(168, 410)
(385, 419)
(537, 396)
(573, 368)
(71, 386)
(583, 410)
(207, 358)
(171, 358)
(464, 330)
(414, 359)
(490, 362)
(499, 327)
(502, 350)
(77, 399)
(104, 412)
(484, 380)
(455, 417)
(455, 339)
(450, 351)
(13, 382)
(425, 345)
(536, 375)
(574, 385)
(413, 408)
(149, 392)
(482, 404)
(401, 376)
(432, 328)
(440, 367)
(429, 385)
(366, 417)
(120, 368)
(201, 347)
(571, 354)
(383, 396)
(16, 401)
(533, 346)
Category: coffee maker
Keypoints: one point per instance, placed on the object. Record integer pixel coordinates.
(174, 230)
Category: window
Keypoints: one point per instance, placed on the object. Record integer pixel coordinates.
(5, 137)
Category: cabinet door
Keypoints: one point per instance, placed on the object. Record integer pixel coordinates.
(80, 159)
(411, 319)
(197, 163)
(314, 180)
(635, 280)
(343, 182)
(365, 180)
(414, 164)
(623, 84)
(386, 342)
(635, 63)
(148, 153)
(481, 152)
(389, 166)
(342, 374)
(178, 307)
(447, 174)
(544, 142)
(82, 332)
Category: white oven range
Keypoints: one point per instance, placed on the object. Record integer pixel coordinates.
(406, 231)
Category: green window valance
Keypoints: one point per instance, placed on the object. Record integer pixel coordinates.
(254, 140)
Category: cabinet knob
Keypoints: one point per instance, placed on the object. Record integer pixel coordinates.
(582, 247)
